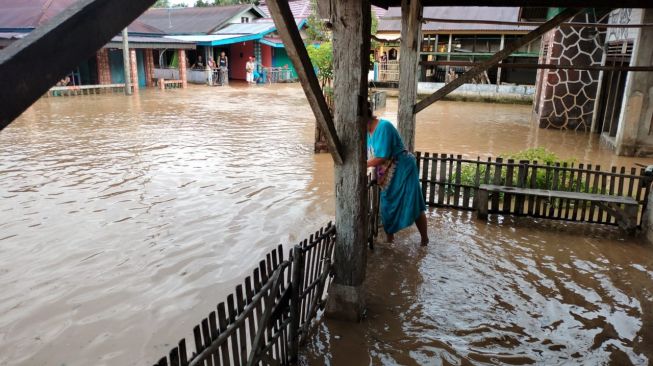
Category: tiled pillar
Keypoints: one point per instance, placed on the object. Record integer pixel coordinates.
(133, 69)
(103, 68)
(149, 67)
(567, 97)
(182, 68)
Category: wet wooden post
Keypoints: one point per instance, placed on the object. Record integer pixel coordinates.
(411, 31)
(351, 21)
(125, 62)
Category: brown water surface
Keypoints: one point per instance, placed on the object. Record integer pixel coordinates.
(125, 220)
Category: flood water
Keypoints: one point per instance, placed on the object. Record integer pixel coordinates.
(125, 220)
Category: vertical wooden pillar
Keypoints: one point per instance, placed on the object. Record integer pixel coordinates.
(411, 30)
(351, 21)
(449, 52)
(133, 64)
(103, 68)
(149, 67)
(501, 46)
(182, 69)
(125, 62)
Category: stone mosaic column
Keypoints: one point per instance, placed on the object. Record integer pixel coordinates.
(567, 97)
(182, 69)
(103, 67)
(133, 68)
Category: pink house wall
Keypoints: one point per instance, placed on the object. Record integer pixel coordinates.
(266, 55)
(240, 52)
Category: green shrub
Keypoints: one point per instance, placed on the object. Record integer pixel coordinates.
(540, 155)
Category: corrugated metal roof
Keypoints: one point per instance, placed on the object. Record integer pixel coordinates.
(510, 14)
(202, 20)
(151, 42)
(247, 28)
(30, 14)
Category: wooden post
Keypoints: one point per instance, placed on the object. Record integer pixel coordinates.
(503, 44)
(295, 301)
(449, 53)
(411, 30)
(182, 69)
(477, 70)
(287, 29)
(125, 62)
(351, 21)
(133, 64)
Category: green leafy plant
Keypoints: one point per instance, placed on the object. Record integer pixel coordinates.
(321, 56)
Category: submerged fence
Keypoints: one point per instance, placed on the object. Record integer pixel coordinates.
(264, 321)
(453, 181)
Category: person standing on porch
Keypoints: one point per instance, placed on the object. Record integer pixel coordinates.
(223, 64)
(402, 203)
(249, 68)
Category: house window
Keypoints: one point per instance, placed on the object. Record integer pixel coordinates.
(244, 20)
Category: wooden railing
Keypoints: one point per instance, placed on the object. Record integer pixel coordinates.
(266, 320)
(388, 71)
(452, 181)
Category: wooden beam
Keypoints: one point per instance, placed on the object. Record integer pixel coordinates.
(494, 60)
(527, 3)
(528, 24)
(411, 36)
(292, 40)
(68, 39)
(544, 66)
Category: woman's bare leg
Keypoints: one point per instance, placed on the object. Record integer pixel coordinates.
(390, 237)
(423, 230)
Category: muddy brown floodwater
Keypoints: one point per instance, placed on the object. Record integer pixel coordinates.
(125, 220)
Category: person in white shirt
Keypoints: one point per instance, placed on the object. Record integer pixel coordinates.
(249, 68)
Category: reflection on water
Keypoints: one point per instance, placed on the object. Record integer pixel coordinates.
(513, 291)
(124, 221)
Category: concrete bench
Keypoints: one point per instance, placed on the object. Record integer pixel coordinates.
(623, 209)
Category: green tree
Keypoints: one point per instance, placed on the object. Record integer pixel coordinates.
(161, 4)
(321, 56)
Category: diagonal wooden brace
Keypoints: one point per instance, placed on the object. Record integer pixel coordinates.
(496, 58)
(287, 29)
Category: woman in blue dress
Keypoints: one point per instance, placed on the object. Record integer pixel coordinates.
(402, 203)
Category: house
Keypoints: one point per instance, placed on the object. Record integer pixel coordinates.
(616, 104)
(19, 17)
(241, 31)
(456, 41)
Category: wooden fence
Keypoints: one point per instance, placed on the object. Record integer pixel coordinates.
(452, 181)
(264, 321)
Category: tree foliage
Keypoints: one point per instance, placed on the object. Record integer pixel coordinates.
(321, 56)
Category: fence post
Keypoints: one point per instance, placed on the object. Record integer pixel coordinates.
(295, 301)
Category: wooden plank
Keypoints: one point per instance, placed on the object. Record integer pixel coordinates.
(531, 200)
(425, 171)
(601, 213)
(77, 30)
(174, 357)
(477, 182)
(222, 322)
(411, 38)
(522, 173)
(434, 171)
(450, 181)
(528, 66)
(611, 219)
(631, 182)
(207, 340)
(294, 46)
(295, 302)
(577, 188)
(585, 209)
(559, 194)
(443, 179)
(562, 202)
(240, 303)
(183, 355)
(457, 180)
(215, 333)
(497, 181)
(507, 198)
(482, 206)
(494, 60)
(251, 321)
(553, 201)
